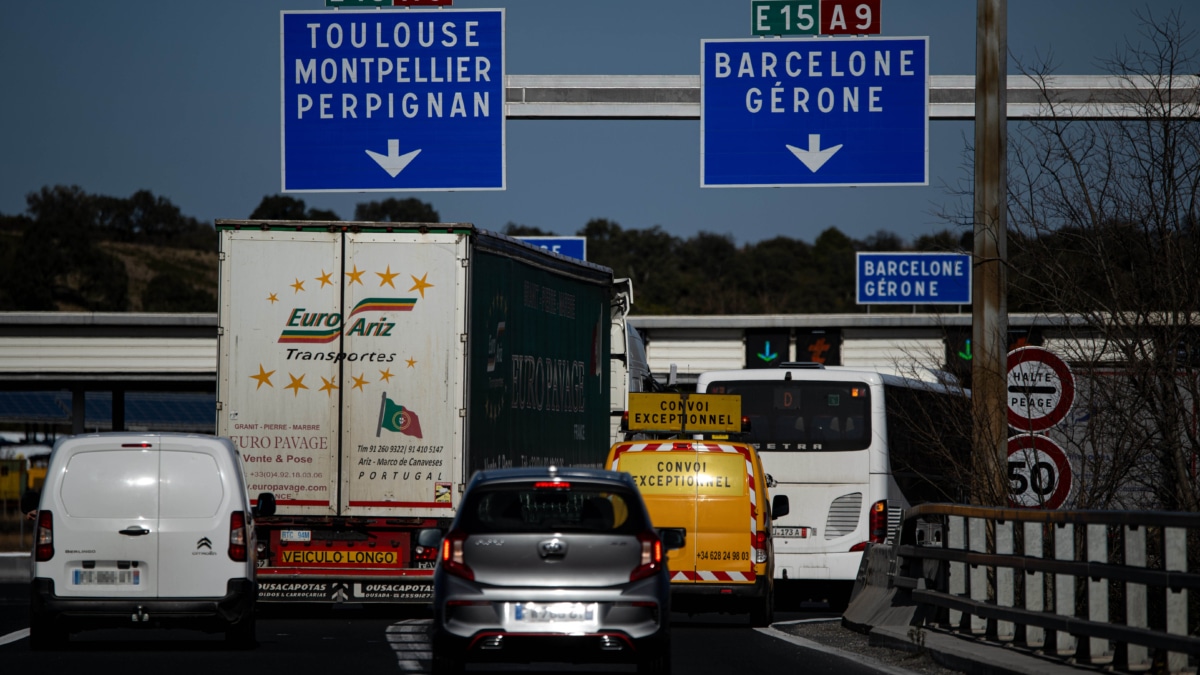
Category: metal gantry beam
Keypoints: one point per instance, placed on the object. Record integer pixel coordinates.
(951, 97)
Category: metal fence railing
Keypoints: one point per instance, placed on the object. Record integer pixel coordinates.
(1109, 589)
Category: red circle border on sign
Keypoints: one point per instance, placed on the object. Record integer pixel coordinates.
(1066, 396)
(1063, 489)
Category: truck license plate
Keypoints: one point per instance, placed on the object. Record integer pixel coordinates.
(794, 532)
(295, 535)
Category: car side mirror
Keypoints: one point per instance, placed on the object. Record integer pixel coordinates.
(672, 537)
(29, 500)
(265, 505)
(780, 507)
(429, 537)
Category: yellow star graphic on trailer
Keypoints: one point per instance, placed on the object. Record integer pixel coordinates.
(328, 387)
(359, 382)
(386, 375)
(296, 385)
(272, 298)
(412, 363)
(324, 279)
(299, 285)
(420, 285)
(386, 277)
(263, 377)
(355, 275)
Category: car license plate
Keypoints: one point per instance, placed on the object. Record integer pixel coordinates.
(295, 535)
(794, 532)
(106, 577)
(556, 616)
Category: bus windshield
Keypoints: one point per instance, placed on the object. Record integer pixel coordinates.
(804, 416)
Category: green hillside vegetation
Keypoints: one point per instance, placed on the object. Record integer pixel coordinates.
(74, 251)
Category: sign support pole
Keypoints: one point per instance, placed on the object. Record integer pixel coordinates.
(990, 306)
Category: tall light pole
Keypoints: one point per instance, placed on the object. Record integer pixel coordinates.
(989, 310)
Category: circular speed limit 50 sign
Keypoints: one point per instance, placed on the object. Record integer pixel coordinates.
(1039, 474)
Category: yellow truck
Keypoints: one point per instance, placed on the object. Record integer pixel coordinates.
(713, 488)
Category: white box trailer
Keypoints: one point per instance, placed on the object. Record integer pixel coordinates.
(366, 370)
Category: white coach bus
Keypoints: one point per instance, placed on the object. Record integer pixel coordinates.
(851, 448)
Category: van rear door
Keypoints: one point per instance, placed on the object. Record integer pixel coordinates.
(106, 528)
(194, 518)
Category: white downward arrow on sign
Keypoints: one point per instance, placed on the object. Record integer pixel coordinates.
(814, 157)
(393, 162)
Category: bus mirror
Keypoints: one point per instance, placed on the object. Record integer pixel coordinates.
(29, 500)
(779, 506)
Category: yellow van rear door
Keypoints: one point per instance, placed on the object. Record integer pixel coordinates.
(725, 517)
(669, 497)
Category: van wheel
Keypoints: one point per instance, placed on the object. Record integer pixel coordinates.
(243, 634)
(44, 635)
(763, 611)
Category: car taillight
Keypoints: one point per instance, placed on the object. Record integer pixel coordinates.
(452, 556)
(237, 536)
(652, 557)
(877, 525)
(44, 540)
(760, 547)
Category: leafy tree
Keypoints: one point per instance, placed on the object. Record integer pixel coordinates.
(170, 292)
(283, 207)
(392, 210)
(515, 230)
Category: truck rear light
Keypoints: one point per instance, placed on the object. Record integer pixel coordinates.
(237, 536)
(877, 526)
(760, 547)
(652, 556)
(44, 539)
(452, 556)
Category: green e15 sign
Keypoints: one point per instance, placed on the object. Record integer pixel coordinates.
(785, 17)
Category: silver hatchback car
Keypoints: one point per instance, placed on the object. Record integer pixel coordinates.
(546, 564)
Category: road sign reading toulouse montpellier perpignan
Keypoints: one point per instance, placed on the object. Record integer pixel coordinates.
(814, 112)
(1041, 389)
(392, 100)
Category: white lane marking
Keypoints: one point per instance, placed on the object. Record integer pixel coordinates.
(834, 651)
(14, 636)
(410, 640)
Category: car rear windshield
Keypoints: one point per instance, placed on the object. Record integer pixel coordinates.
(578, 508)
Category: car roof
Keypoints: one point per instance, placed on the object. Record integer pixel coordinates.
(523, 474)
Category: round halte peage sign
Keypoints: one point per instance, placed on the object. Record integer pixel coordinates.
(1040, 390)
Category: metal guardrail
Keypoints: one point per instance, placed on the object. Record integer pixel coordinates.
(1107, 589)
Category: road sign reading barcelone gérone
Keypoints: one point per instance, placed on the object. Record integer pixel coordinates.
(814, 112)
(913, 278)
(392, 100)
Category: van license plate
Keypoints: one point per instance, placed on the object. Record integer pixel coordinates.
(295, 535)
(106, 577)
(578, 615)
(794, 532)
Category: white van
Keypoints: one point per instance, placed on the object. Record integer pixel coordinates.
(146, 530)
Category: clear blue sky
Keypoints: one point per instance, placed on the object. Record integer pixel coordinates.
(182, 99)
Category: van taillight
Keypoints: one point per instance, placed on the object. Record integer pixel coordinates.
(44, 539)
(760, 547)
(452, 556)
(237, 536)
(877, 524)
(652, 556)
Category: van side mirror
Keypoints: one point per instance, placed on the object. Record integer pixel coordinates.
(780, 506)
(29, 500)
(265, 505)
(672, 537)
(429, 537)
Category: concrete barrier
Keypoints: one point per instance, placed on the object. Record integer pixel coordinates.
(14, 567)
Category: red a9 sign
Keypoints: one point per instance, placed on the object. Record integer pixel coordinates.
(850, 17)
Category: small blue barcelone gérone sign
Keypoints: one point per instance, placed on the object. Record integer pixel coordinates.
(913, 278)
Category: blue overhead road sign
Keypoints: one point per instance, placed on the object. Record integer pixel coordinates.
(572, 247)
(814, 112)
(392, 100)
(914, 278)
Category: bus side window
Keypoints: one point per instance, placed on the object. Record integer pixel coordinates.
(788, 428)
(854, 427)
(827, 429)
